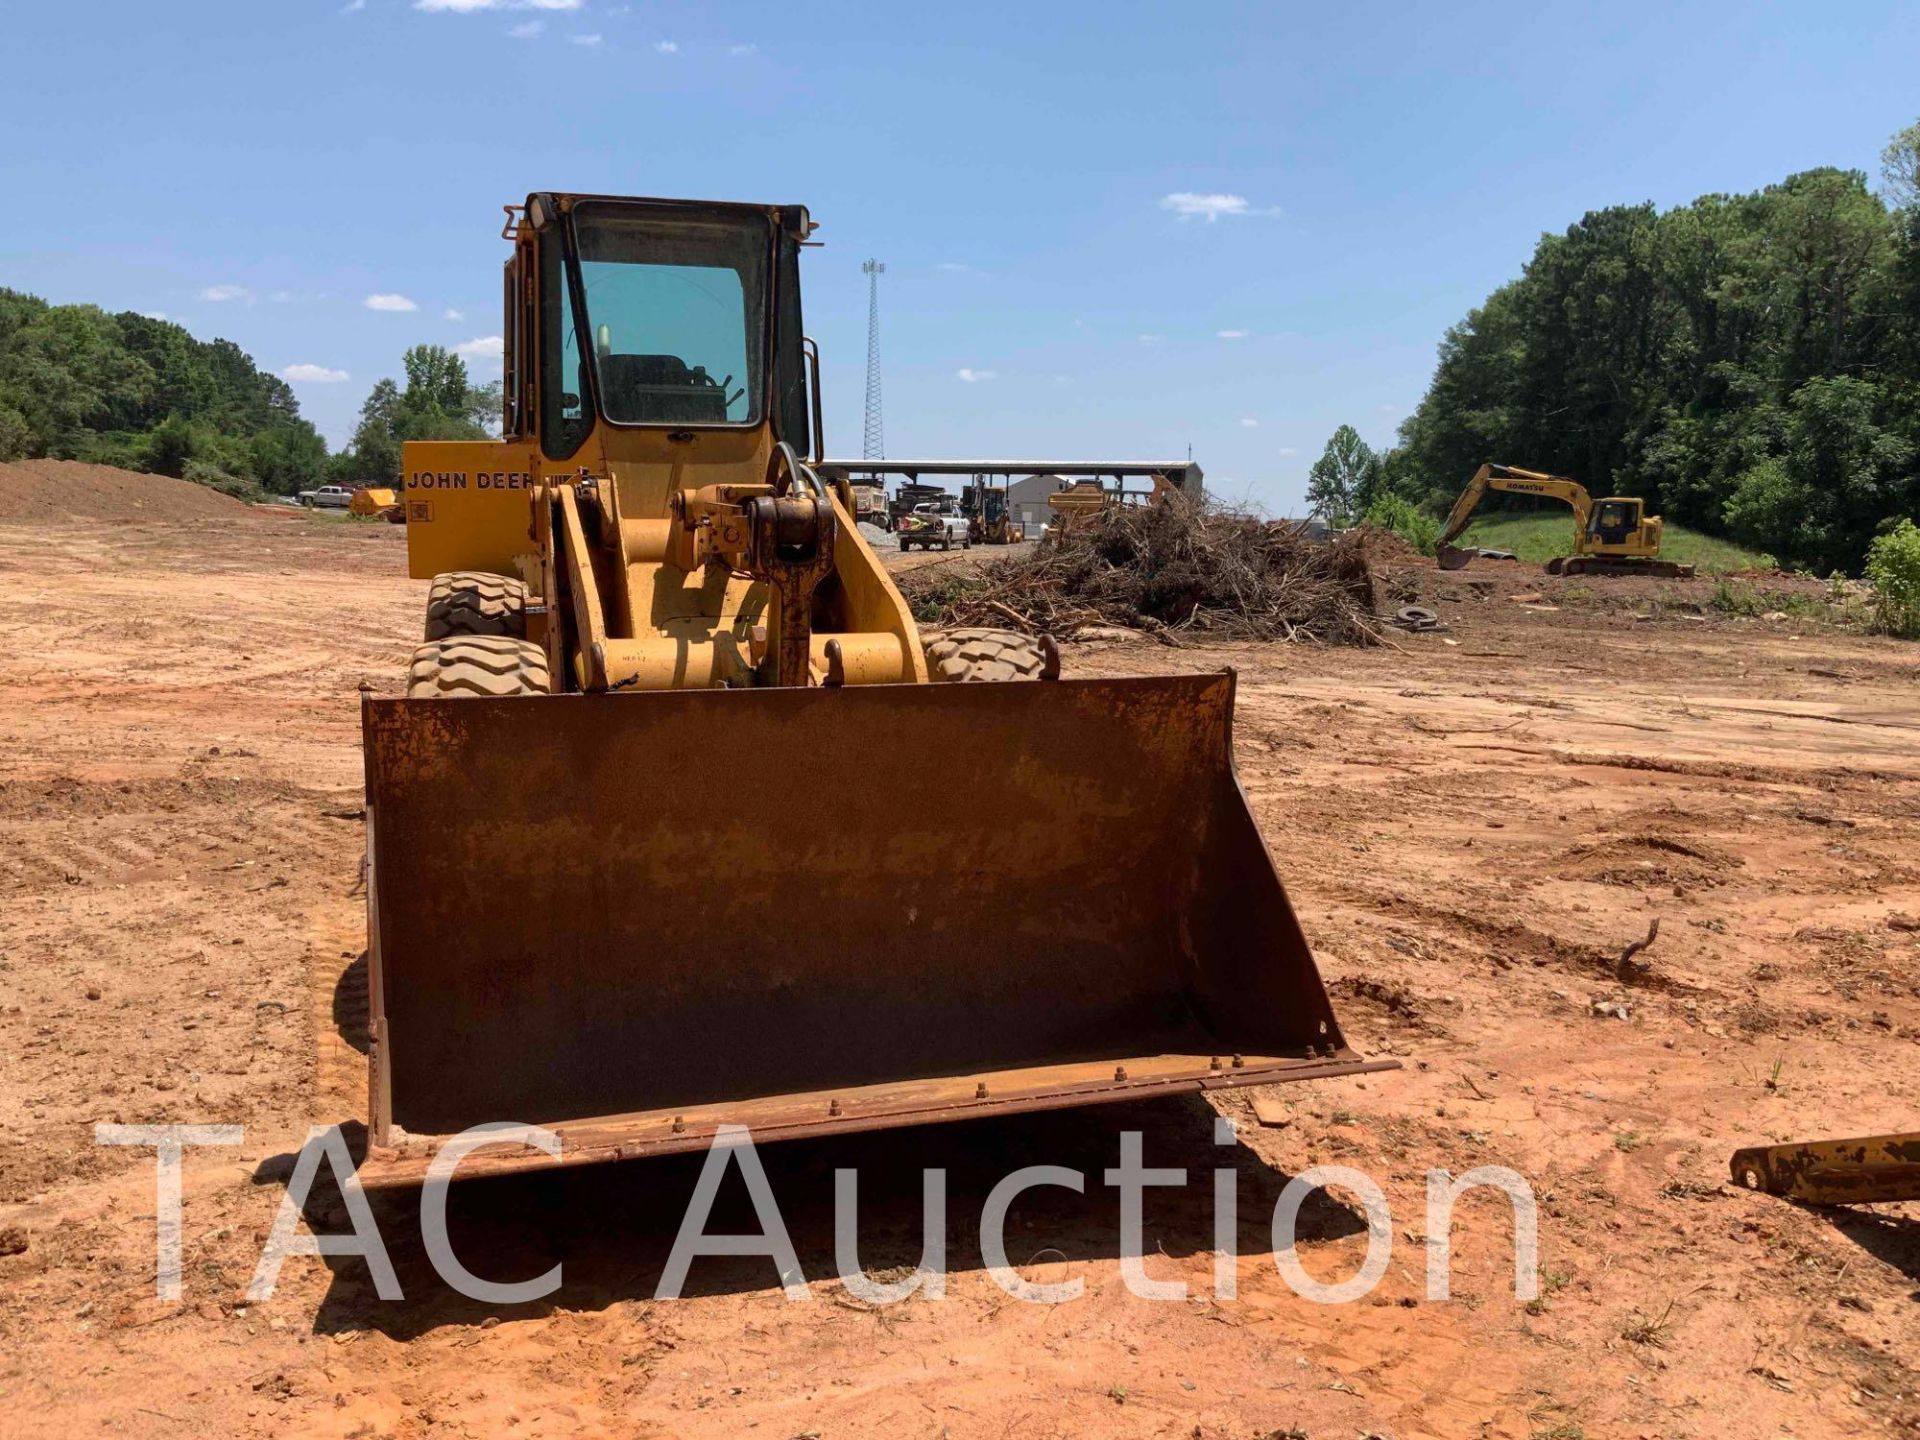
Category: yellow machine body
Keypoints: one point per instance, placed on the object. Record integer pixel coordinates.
(1611, 534)
(650, 844)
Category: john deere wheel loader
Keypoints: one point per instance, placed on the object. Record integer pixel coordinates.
(633, 870)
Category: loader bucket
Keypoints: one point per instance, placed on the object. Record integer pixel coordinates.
(633, 918)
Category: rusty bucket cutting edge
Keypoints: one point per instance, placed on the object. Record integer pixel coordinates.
(633, 918)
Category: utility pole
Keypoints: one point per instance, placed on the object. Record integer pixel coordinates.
(874, 441)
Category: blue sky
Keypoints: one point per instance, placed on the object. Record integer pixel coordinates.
(267, 170)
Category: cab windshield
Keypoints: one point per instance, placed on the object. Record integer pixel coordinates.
(676, 316)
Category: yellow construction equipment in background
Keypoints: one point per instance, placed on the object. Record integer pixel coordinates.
(1085, 498)
(634, 872)
(989, 517)
(376, 500)
(1866, 1169)
(1613, 536)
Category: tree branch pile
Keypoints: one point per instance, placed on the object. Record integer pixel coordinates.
(1173, 569)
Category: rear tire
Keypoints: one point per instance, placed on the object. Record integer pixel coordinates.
(472, 602)
(971, 654)
(486, 666)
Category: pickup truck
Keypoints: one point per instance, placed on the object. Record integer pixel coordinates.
(934, 522)
(327, 497)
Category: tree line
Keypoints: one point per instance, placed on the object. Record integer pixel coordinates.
(1750, 364)
(129, 390)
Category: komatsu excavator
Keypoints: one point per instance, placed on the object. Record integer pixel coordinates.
(634, 872)
(1613, 536)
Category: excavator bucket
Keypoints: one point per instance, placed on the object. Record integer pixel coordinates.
(632, 918)
(1452, 557)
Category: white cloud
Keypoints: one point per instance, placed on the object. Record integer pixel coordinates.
(974, 377)
(527, 30)
(1232, 334)
(452, 314)
(1186, 204)
(314, 374)
(154, 314)
(667, 47)
(742, 49)
(954, 267)
(588, 40)
(485, 347)
(221, 293)
(398, 304)
(1148, 339)
(1249, 422)
(352, 6)
(1289, 450)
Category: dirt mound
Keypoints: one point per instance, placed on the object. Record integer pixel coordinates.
(1643, 861)
(60, 490)
(1385, 547)
(1169, 568)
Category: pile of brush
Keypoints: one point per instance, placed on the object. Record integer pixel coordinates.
(1172, 569)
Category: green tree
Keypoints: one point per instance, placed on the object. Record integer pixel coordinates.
(1842, 471)
(1343, 480)
(1900, 167)
(439, 402)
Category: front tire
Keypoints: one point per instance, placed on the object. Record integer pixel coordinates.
(472, 602)
(978, 655)
(478, 666)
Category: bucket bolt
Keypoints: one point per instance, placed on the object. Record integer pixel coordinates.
(833, 1107)
(980, 1091)
(1119, 1073)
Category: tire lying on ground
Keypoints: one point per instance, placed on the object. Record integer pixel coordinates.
(471, 602)
(974, 654)
(484, 665)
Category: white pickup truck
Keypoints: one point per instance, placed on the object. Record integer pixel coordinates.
(327, 497)
(934, 522)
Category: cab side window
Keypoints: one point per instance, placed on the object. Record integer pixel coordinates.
(564, 420)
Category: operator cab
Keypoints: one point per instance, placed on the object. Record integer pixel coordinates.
(652, 313)
(1615, 521)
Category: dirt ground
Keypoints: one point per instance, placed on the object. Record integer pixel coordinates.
(1471, 824)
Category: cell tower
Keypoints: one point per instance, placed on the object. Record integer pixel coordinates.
(874, 443)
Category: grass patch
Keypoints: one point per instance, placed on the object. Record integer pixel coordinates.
(1538, 538)
(1835, 607)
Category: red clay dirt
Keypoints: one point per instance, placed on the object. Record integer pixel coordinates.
(1471, 833)
(36, 491)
